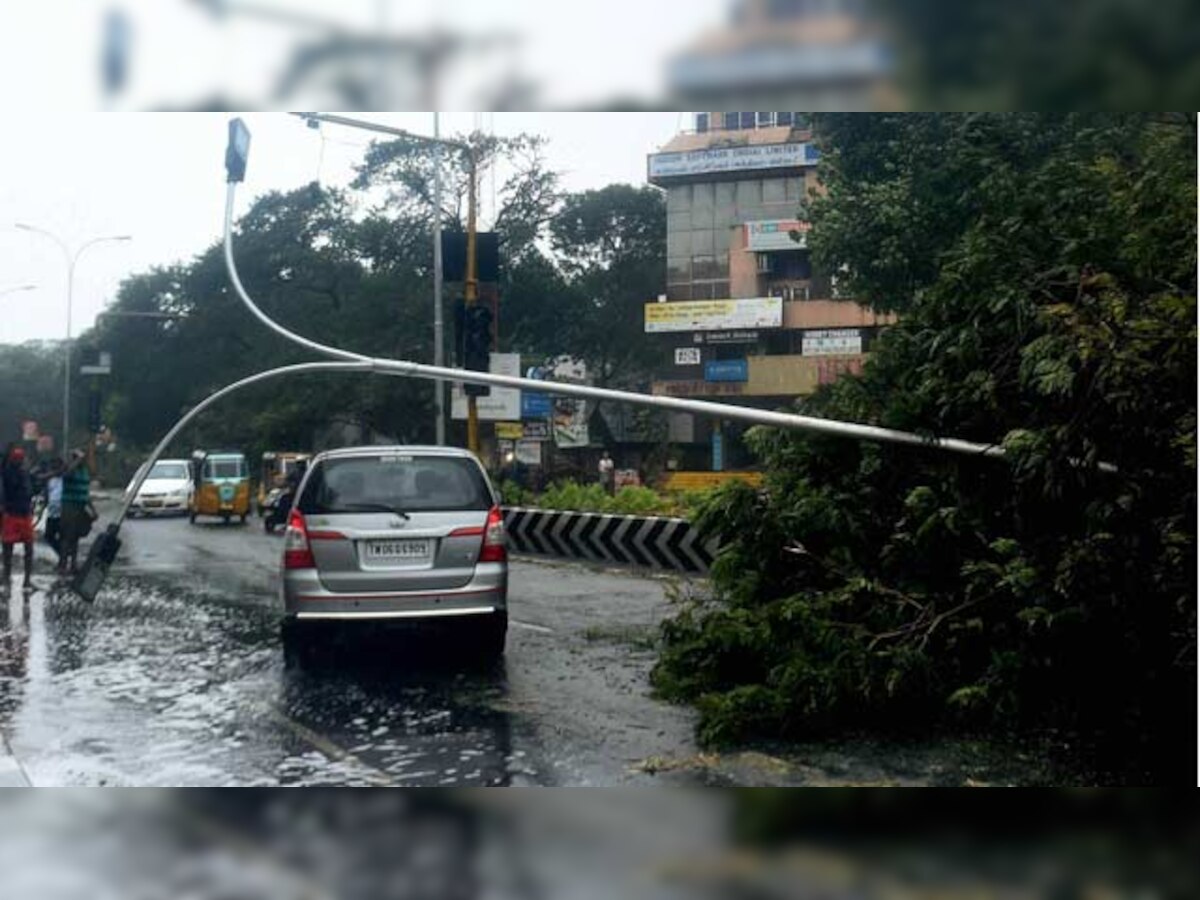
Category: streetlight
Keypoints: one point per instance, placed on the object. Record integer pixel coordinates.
(71, 259)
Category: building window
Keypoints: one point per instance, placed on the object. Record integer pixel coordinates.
(765, 119)
(763, 263)
(679, 270)
(783, 118)
(746, 120)
(731, 121)
(679, 292)
(701, 122)
(705, 268)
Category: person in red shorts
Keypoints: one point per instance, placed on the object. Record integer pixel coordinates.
(17, 524)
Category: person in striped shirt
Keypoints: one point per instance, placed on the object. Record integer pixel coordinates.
(77, 510)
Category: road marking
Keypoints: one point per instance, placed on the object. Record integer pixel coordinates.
(542, 629)
(334, 751)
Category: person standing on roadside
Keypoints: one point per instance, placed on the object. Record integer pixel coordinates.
(76, 510)
(17, 527)
(605, 469)
(53, 490)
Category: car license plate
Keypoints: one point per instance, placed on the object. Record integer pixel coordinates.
(398, 551)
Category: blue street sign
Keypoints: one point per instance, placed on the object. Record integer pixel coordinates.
(535, 405)
(726, 370)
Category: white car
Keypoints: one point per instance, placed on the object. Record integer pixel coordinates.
(167, 489)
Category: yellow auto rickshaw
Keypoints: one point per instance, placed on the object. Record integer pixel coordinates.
(222, 485)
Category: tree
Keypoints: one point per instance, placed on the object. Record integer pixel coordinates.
(1048, 302)
(609, 244)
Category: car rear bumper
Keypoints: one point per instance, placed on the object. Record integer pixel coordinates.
(305, 598)
(150, 507)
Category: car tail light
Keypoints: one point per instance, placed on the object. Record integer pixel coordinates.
(296, 552)
(495, 543)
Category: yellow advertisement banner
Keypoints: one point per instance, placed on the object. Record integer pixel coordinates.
(714, 315)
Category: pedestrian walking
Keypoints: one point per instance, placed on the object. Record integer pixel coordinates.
(605, 468)
(53, 491)
(77, 510)
(17, 527)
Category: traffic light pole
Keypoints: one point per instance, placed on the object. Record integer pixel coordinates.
(471, 295)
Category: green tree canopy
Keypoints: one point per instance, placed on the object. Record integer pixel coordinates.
(1044, 269)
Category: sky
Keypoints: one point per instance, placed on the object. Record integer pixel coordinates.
(579, 54)
(159, 177)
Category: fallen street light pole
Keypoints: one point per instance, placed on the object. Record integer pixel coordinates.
(236, 157)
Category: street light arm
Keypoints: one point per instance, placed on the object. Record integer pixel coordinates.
(114, 238)
(62, 245)
(382, 129)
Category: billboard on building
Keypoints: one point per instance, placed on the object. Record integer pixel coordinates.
(714, 315)
(732, 159)
(776, 234)
(831, 341)
(502, 404)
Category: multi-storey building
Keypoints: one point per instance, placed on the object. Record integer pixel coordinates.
(745, 316)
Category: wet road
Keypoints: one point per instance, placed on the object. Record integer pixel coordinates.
(176, 677)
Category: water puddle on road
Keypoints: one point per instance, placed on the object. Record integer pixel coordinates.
(154, 685)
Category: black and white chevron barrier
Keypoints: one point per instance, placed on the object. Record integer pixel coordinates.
(648, 541)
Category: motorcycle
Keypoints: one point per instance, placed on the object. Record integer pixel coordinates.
(276, 508)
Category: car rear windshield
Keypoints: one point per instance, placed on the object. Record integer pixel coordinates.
(169, 470)
(400, 482)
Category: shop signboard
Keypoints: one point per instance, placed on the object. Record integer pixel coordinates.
(732, 159)
(502, 404)
(512, 431)
(570, 421)
(776, 234)
(726, 370)
(535, 431)
(714, 315)
(831, 341)
(528, 453)
(725, 337)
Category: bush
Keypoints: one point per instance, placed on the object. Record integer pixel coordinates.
(628, 501)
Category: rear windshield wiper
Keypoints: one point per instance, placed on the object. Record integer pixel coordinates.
(370, 507)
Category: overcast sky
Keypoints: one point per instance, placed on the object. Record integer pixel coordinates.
(159, 177)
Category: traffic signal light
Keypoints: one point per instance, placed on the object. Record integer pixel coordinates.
(477, 345)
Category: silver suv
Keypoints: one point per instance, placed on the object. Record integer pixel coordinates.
(393, 533)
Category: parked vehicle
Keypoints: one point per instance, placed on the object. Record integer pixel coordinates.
(167, 489)
(221, 486)
(380, 534)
